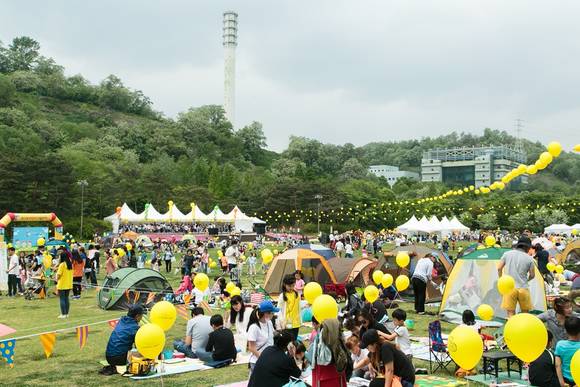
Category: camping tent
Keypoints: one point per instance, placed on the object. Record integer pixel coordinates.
(558, 229)
(473, 281)
(387, 264)
(314, 267)
(131, 286)
(318, 249)
(144, 241)
(360, 273)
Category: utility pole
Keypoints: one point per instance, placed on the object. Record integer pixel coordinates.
(83, 184)
(318, 197)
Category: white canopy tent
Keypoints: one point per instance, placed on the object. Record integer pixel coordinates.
(432, 225)
(457, 226)
(558, 229)
(409, 224)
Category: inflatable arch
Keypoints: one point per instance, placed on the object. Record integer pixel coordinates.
(16, 217)
(570, 253)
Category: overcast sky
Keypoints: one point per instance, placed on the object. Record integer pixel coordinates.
(338, 71)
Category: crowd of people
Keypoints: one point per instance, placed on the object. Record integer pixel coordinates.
(176, 228)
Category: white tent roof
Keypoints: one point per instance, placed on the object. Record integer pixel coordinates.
(435, 224)
(558, 229)
(411, 223)
(575, 226)
(445, 224)
(152, 215)
(216, 215)
(456, 225)
(196, 214)
(258, 221)
(236, 214)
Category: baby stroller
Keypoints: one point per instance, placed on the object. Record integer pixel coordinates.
(34, 285)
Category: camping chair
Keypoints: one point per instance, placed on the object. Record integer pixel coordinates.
(437, 348)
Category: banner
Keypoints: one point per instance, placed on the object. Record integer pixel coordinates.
(7, 351)
(48, 340)
(83, 335)
(26, 237)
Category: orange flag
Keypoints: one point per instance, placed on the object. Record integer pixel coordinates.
(182, 311)
(113, 323)
(83, 335)
(186, 299)
(48, 340)
(150, 298)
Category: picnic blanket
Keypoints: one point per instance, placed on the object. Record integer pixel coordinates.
(421, 380)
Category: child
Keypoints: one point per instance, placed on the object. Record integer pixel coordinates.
(224, 264)
(299, 286)
(358, 356)
(220, 344)
(565, 349)
(468, 319)
(401, 333)
(142, 259)
(299, 355)
(542, 371)
(204, 261)
(289, 304)
(252, 259)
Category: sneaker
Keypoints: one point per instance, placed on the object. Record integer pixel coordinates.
(108, 371)
(61, 316)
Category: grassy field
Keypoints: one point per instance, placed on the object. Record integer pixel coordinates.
(71, 366)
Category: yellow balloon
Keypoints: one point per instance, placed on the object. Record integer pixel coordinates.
(201, 281)
(371, 293)
(387, 280)
(230, 286)
(551, 266)
(546, 158)
(311, 291)
(324, 307)
(505, 284)
(500, 185)
(531, 170)
(129, 246)
(213, 265)
(465, 347)
(40, 242)
(540, 165)
(574, 231)
(235, 291)
(220, 253)
(577, 148)
(559, 269)
(377, 276)
(163, 314)
(275, 252)
(150, 341)
(402, 282)
(489, 241)
(485, 312)
(267, 256)
(47, 261)
(402, 259)
(525, 336)
(575, 367)
(555, 148)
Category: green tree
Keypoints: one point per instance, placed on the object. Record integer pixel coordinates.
(353, 169)
(7, 92)
(253, 141)
(488, 221)
(23, 53)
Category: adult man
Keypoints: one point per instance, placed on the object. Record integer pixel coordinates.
(520, 266)
(196, 334)
(421, 276)
(339, 247)
(13, 270)
(232, 254)
(349, 253)
(122, 339)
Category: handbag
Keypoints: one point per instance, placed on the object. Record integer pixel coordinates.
(322, 354)
(295, 382)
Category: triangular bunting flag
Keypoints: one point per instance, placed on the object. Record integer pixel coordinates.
(113, 323)
(150, 298)
(182, 311)
(48, 340)
(136, 295)
(127, 294)
(83, 335)
(7, 351)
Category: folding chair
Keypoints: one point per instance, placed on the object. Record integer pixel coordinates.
(437, 348)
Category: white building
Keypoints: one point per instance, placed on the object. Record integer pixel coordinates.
(392, 173)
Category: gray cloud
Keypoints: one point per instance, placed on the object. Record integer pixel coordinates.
(338, 71)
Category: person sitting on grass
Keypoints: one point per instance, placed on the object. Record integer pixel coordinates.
(359, 358)
(122, 339)
(220, 344)
(542, 371)
(565, 349)
(401, 333)
(196, 334)
(277, 363)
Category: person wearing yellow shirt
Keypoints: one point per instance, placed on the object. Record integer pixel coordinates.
(289, 305)
(64, 282)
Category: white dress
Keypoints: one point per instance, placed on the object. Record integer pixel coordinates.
(241, 334)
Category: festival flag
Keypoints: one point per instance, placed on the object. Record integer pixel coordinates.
(136, 295)
(150, 298)
(182, 311)
(48, 340)
(113, 323)
(6, 330)
(83, 335)
(7, 351)
(127, 295)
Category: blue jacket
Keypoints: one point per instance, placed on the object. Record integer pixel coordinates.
(123, 337)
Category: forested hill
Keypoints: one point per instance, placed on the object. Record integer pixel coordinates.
(56, 130)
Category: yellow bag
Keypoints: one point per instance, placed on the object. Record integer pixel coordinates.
(139, 366)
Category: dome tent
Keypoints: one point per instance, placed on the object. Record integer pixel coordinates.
(128, 286)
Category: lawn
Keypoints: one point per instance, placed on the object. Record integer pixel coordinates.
(71, 366)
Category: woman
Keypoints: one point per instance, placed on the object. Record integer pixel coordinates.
(78, 270)
(260, 331)
(289, 304)
(277, 364)
(240, 318)
(367, 322)
(204, 261)
(329, 357)
(555, 318)
(110, 265)
(387, 361)
(64, 281)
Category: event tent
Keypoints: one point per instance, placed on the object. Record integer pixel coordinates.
(409, 224)
(558, 229)
(473, 281)
(456, 226)
(432, 225)
(318, 249)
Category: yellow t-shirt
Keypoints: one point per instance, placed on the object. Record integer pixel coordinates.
(293, 310)
(65, 277)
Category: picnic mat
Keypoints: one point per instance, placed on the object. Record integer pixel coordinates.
(432, 380)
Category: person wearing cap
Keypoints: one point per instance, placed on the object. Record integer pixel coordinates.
(260, 331)
(518, 264)
(387, 361)
(122, 340)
